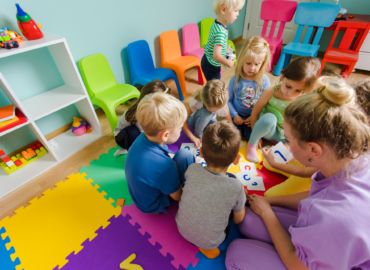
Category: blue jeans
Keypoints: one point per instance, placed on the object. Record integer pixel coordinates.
(199, 120)
(183, 159)
(244, 129)
(210, 72)
(266, 127)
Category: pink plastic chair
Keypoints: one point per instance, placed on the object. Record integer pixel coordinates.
(276, 11)
(191, 41)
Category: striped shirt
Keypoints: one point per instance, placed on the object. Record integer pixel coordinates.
(217, 35)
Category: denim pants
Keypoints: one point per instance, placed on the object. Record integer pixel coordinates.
(126, 137)
(183, 159)
(210, 72)
(199, 120)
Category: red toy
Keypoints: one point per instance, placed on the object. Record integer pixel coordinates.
(27, 25)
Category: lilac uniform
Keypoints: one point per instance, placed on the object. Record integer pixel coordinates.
(330, 232)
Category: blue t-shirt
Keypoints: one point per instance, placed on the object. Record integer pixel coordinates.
(244, 97)
(151, 175)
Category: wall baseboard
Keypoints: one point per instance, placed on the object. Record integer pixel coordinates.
(235, 40)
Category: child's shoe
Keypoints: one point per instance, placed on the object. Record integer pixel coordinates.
(210, 254)
(252, 153)
(120, 152)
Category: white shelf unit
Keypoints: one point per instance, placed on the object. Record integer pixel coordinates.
(364, 55)
(46, 103)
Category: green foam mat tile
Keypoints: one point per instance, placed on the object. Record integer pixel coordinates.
(109, 173)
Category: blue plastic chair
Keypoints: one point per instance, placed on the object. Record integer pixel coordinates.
(318, 15)
(142, 66)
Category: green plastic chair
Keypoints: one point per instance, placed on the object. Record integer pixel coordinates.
(102, 86)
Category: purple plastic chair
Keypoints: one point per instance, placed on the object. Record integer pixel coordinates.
(276, 11)
(191, 41)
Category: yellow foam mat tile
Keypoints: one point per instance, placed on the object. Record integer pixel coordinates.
(242, 151)
(56, 224)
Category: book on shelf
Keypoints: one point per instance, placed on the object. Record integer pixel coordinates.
(21, 120)
(7, 113)
(8, 122)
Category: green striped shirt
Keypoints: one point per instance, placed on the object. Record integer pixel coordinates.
(217, 35)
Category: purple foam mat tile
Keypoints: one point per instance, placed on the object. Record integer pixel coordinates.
(182, 139)
(116, 243)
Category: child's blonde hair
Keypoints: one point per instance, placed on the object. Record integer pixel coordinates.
(253, 46)
(363, 95)
(214, 95)
(217, 4)
(159, 111)
(331, 116)
(303, 69)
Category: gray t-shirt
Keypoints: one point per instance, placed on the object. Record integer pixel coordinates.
(206, 204)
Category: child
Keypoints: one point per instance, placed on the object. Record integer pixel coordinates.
(128, 129)
(204, 107)
(212, 197)
(297, 78)
(215, 50)
(363, 95)
(249, 82)
(154, 179)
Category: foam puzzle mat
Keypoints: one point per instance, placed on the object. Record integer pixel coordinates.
(77, 225)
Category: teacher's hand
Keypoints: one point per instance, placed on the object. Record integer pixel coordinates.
(259, 204)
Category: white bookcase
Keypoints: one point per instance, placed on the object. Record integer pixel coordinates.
(41, 105)
(364, 55)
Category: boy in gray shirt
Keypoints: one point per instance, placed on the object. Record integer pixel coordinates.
(212, 197)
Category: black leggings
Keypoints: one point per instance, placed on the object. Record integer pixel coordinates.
(126, 137)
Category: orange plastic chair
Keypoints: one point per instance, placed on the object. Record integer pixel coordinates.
(171, 58)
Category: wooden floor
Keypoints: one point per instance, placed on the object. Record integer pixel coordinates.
(34, 188)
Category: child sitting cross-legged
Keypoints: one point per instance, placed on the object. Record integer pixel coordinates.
(212, 198)
(155, 175)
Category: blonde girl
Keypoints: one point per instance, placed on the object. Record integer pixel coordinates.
(296, 79)
(204, 108)
(249, 82)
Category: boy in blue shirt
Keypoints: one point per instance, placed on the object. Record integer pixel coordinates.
(154, 174)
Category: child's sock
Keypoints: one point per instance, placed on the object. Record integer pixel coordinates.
(252, 153)
(210, 254)
(120, 152)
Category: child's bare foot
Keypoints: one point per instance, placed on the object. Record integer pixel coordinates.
(210, 254)
(252, 153)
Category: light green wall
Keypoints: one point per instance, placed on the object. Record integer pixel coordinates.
(93, 27)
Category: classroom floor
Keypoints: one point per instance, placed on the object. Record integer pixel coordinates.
(46, 232)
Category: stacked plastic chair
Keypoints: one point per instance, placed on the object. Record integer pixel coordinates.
(191, 41)
(318, 15)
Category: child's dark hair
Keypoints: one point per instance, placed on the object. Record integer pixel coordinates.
(220, 144)
(150, 88)
(303, 69)
(363, 95)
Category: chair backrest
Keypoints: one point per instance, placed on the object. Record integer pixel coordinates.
(318, 15)
(170, 46)
(205, 27)
(190, 38)
(139, 58)
(350, 35)
(276, 11)
(96, 73)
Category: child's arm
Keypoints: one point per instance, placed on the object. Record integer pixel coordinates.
(238, 216)
(304, 172)
(187, 131)
(233, 113)
(290, 201)
(177, 195)
(262, 101)
(221, 59)
(228, 117)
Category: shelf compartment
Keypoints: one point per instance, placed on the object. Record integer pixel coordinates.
(69, 144)
(51, 101)
(29, 45)
(9, 183)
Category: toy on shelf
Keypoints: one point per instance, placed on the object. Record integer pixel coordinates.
(21, 160)
(6, 41)
(21, 120)
(13, 35)
(80, 126)
(27, 25)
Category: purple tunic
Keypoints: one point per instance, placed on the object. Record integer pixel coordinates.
(333, 226)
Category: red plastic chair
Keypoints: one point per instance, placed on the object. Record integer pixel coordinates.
(171, 58)
(191, 41)
(276, 11)
(346, 54)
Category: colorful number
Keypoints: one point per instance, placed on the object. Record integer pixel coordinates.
(254, 184)
(248, 167)
(278, 152)
(245, 177)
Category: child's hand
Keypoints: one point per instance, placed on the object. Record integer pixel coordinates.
(259, 204)
(230, 63)
(196, 141)
(247, 121)
(268, 156)
(238, 120)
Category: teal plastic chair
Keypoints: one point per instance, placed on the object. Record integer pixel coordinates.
(102, 86)
(318, 15)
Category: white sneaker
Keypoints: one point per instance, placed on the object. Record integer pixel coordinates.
(120, 152)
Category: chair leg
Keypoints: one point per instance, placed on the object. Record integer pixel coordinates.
(272, 52)
(178, 87)
(287, 60)
(112, 117)
(322, 65)
(279, 65)
(180, 74)
(201, 79)
(348, 71)
(277, 55)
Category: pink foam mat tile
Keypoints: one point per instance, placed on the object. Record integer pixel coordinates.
(163, 229)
